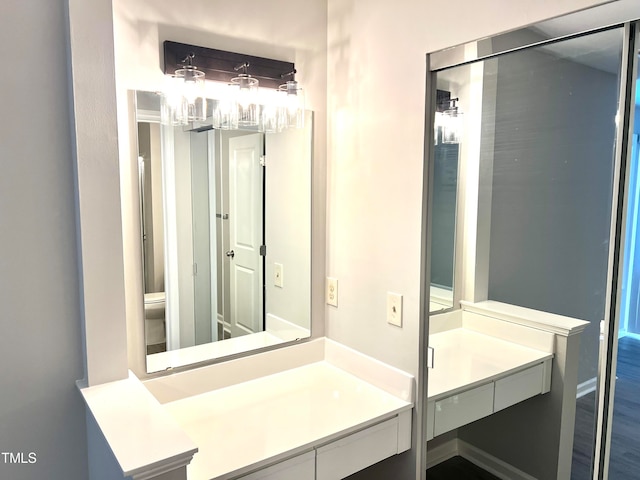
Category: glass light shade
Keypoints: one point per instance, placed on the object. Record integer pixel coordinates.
(225, 114)
(271, 113)
(437, 128)
(173, 108)
(244, 90)
(451, 126)
(183, 99)
(193, 92)
(293, 104)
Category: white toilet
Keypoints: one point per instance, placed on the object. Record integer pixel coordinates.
(154, 318)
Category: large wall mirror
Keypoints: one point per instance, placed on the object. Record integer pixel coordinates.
(529, 137)
(226, 226)
(547, 128)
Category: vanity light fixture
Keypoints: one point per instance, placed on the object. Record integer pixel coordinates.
(255, 95)
(448, 119)
(183, 99)
(452, 123)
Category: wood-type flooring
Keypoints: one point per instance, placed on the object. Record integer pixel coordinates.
(624, 463)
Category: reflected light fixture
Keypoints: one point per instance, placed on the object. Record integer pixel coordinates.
(183, 99)
(254, 96)
(451, 123)
(448, 119)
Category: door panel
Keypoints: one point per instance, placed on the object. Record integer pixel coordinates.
(246, 233)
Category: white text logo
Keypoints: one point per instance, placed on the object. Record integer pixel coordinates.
(18, 457)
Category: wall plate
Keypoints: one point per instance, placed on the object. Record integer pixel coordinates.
(394, 309)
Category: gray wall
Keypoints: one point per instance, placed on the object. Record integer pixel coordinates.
(552, 176)
(445, 179)
(40, 344)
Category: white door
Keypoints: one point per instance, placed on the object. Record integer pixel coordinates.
(246, 234)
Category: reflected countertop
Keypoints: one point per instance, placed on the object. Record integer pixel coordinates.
(465, 358)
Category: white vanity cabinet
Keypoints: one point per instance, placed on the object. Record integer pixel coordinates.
(461, 409)
(335, 413)
(476, 375)
(301, 467)
(340, 458)
(356, 452)
(257, 428)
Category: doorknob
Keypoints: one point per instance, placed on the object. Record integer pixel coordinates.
(230, 253)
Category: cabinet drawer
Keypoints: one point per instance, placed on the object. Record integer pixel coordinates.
(518, 387)
(466, 407)
(301, 467)
(351, 454)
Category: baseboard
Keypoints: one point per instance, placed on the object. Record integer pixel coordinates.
(587, 387)
(490, 463)
(442, 453)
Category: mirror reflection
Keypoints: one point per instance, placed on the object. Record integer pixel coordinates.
(446, 152)
(535, 134)
(443, 221)
(538, 172)
(225, 219)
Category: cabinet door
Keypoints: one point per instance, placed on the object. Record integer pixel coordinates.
(301, 467)
(518, 387)
(466, 407)
(355, 452)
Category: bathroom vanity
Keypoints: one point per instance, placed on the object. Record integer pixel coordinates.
(317, 410)
(476, 374)
(502, 375)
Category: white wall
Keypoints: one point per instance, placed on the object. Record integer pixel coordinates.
(375, 132)
(41, 410)
(376, 84)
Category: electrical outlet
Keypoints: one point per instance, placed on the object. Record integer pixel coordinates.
(332, 291)
(394, 309)
(278, 275)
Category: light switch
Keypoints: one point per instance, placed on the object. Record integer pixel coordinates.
(332, 291)
(278, 273)
(394, 309)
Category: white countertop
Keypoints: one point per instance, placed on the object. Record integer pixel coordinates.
(246, 426)
(141, 434)
(464, 358)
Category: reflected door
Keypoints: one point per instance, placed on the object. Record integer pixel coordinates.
(246, 234)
